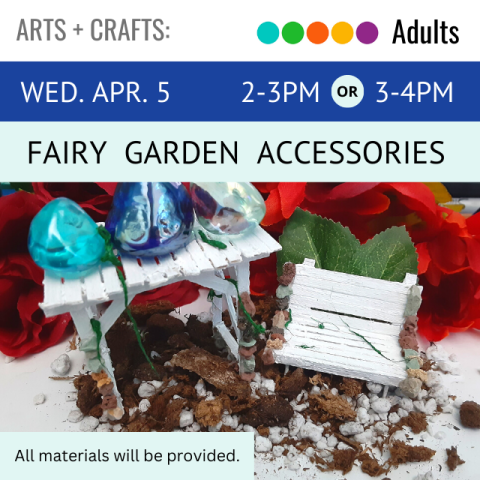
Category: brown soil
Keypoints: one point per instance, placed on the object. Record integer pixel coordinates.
(209, 413)
(343, 460)
(265, 309)
(88, 394)
(192, 354)
(330, 406)
(142, 312)
(213, 369)
(416, 421)
(402, 453)
(470, 414)
(263, 431)
(351, 387)
(201, 334)
(161, 326)
(269, 411)
(290, 386)
(370, 465)
(453, 460)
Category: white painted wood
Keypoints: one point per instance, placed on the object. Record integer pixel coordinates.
(134, 275)
(94, 288)
(390, 299)
(232, 253)
(243, 277)
(196, 252)
(73, 291)
(410, 279)
(233, 312)
(229, 340)
(170, 268)
(346, 306)
(357, 324)
(154, 275)
(112, 283)
(186, 263)
(339, 277)
(198, 262)
(53, 294)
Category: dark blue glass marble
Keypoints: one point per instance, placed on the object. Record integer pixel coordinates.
(63, 240)
(150, 218)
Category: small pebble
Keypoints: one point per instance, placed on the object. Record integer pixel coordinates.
(146, 390)
(8, 359)
(278, 450)
(262, 444)
(332, 441)
(374, 387)
(104, 427)
(382, 405)
(186, 418)
(39, 399)
(75, 416)
(144, 405)
(61, 366)
(351, 428)
(89, 424)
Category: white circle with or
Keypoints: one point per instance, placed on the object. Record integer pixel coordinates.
(347, 91)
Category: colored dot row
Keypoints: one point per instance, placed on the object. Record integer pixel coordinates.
(317, 33)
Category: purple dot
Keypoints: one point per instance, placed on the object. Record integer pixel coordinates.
(367, 32)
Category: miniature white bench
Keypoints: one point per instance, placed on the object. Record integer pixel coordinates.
(373, 308)
(87, 297)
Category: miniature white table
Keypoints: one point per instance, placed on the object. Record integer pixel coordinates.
(199, 262)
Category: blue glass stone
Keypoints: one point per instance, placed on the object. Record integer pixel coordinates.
(63, 240)
(227, 207)
(150, 218)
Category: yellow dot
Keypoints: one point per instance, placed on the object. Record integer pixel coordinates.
(342, 32)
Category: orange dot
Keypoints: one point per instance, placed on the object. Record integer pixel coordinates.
(342, 32)
(317, 33)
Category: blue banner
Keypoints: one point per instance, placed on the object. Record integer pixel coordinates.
(236, 91)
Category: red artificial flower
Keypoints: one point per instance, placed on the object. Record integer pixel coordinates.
(24, 329)
(23, 326)
(446, 242)
(93, 198)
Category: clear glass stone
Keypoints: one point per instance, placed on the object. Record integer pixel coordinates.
(227, 207)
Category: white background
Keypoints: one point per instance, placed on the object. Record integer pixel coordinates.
(226, 30)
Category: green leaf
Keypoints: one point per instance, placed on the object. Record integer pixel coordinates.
(309, 236)
(388, 256)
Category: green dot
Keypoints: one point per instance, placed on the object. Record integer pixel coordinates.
(293, 32)
(268, 33)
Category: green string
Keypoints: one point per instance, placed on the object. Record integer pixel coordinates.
(365, 340)
(209, 241)
(289, 318)
(97, 329)
(109, 256)
(258, 329)
(211, 295)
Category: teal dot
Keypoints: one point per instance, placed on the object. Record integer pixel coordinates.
(268, 33)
